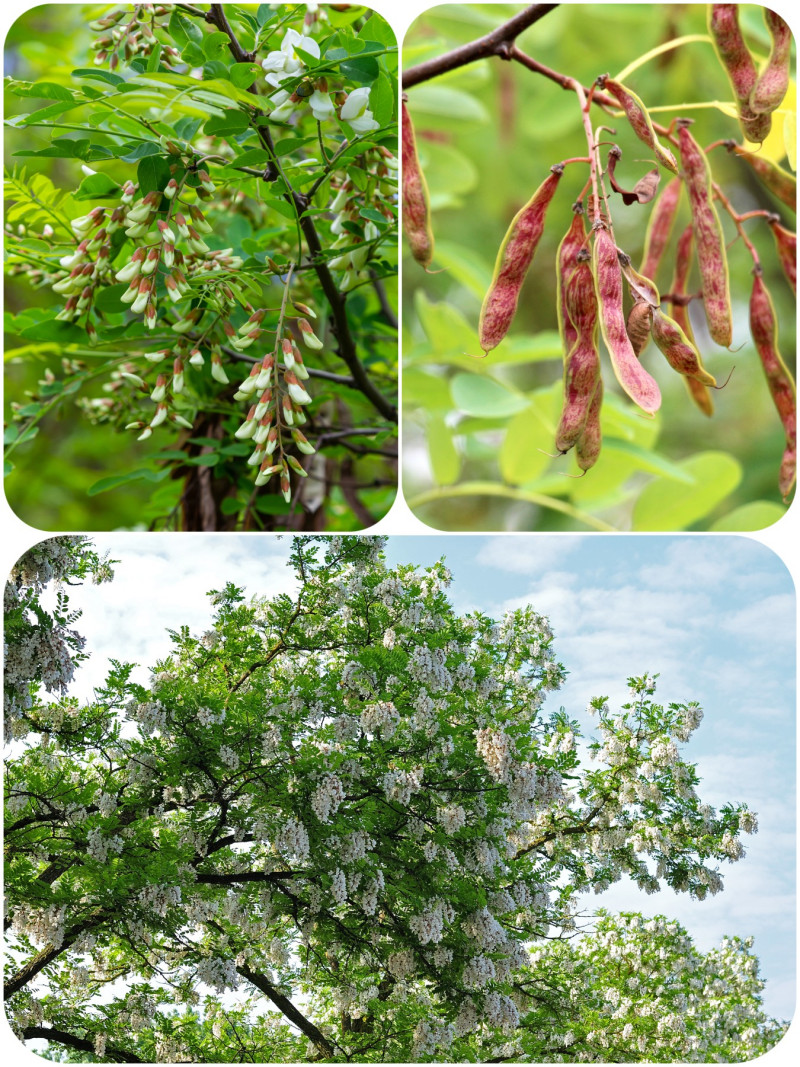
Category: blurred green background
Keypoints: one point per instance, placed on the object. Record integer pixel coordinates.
(477, 431)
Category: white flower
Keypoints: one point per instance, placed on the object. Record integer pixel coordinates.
(356, 113)
(286, 63)
(321, 105)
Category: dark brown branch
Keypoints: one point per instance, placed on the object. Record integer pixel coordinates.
(217, 17)
(49, 1033)
(46, 956)
(496, 43)
(314, 1035)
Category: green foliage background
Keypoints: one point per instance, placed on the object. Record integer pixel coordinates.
(61, 471)
(478, 432)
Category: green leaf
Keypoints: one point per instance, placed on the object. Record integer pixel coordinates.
(665, 505)
(215, 45)
(231, 121)
(242, 75)
(382, 99)
(152, 173)
(522, 455)
(116, 480)
(135, 152)
(183, 30)
(484, 397)
(95, 74)
(210, 459)
(108, 298)
(647, 460)
(444, 457)
(754, 516)
(94, 186)
(452, 104)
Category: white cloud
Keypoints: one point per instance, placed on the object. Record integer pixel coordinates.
(528, 554)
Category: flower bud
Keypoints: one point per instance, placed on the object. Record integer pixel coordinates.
(159, 417)
(248, 427)
(296, 391)
(308, 336)
(303, 444)
(217, 370)
(160, 390)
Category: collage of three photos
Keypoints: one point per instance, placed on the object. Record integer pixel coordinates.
(400, 455)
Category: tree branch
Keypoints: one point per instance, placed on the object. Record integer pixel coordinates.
(336, 299)
(313, 1034)
(496, 43)
(49, 1033)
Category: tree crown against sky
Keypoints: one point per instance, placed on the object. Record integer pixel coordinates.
(335, 825)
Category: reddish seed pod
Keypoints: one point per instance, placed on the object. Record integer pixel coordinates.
(779, 181)
(582, 364)
(631, 375)
(773, 82)
(709, 240)
(639, 120)
(566, 261)
(416, 213)
(680, 353)
(587, 447)
(513, 260)
(781, 386)
(699, 393)
(659, 227)
(786, 246)
(637, 325)
(723, 25)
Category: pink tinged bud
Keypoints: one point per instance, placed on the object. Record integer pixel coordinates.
(299, 367)
(133, 425)
(137, 230)
(142, 298)
(151, 262)
(240, 343)
(299, 417)
(150, 316)
(177, 376)
(256, 458)
(263, 430)
(168, 254)
(181, 421)
(296, 391)
(310, 339)
(160, 390)
(159, 417)
(158, 355)
(304, 309)
(146, 432)
(166, 233)
(265, 374)
(288, 411)
(295, 465)
(286, 488)
(196, 358)
(272, 441)
(255, 320)
(205, 181)
(139, 212)
(266, 472)
(171, 189)
(128, 192)
(188, 321)
(217, 370)
(248, 427)
(173, 290)
(302, 443)
(131, 292)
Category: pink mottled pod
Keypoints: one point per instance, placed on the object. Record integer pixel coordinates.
(764, 329)
(582, 363)
(637, 325)
(513, 260)
(680, 353)
(700, 394)
(639, 120)
(587, 447)
(786, 247)
(640, 386)
(773, 81)
(416, 210)
(566, 261)
(780, 182)
(659, 227)
(709, 239)
(723, 25)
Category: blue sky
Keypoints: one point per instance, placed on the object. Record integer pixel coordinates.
(714, 616)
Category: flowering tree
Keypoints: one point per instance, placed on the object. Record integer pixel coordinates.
(225, 271)
(341, 825)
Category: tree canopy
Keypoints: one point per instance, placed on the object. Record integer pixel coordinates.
(346, 824)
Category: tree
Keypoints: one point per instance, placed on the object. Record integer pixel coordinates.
(634, 158)
(341, 825)
(219, 283)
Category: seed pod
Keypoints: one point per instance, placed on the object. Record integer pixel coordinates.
(416, 214)
(786, 247)
(723, 25)
(659, 227)
(582, 364)
(640, 121)
(641, 288)
(513, 260)
(708, 238)
(770, 89)
(779, 181)
(765, 335)
(566, 261)
(699, 393)
(637, 326)
(680, 353)
(587, 447)
(631, 375)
